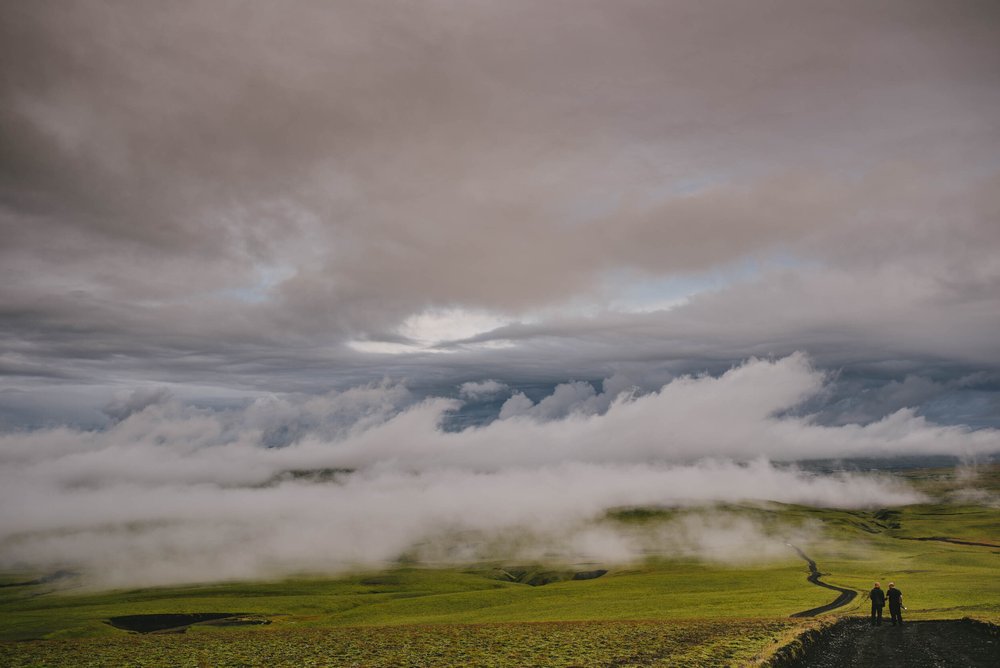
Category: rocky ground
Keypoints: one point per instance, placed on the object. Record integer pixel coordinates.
(921, 644)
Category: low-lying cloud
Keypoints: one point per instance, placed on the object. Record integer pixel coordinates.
(174, 493)
(126, 533)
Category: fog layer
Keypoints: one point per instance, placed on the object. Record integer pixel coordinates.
(173, 493)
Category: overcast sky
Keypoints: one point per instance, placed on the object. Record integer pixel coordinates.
(233, 199)
(304, 286)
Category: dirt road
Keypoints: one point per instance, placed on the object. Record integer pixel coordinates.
(845, 597)
(922, 644)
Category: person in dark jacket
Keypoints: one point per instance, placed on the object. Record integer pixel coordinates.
(878, 602)
(895, 603)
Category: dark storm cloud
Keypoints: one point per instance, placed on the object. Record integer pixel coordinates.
(220, 195)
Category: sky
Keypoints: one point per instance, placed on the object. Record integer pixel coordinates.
(492, 238)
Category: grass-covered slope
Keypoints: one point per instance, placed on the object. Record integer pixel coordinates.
(662, 590)
(660, 612)
(633, 643)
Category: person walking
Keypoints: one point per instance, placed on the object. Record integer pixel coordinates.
(878, 602)
(895, 604)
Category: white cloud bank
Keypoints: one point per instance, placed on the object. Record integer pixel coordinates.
(171, 493)
(482, 389)
(126, 533)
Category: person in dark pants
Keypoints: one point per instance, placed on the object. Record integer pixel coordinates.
(895, 603)
(878, 602)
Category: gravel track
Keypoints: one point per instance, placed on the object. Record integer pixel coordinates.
(921, 644)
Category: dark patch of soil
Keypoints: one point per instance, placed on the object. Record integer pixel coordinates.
(540, 578)
(45, 579)
(544, 578)
(961, 643)
(589, 575)
(179, 622)
(382, 580)
(942, 539)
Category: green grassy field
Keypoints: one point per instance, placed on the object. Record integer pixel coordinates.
(659, 612)
(632, 643)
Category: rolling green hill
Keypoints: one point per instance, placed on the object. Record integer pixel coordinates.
(739, 610)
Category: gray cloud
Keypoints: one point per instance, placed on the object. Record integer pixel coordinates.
(220, 193)
(135, 402)
(481, 389)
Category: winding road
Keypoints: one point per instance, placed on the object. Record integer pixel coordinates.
(845, 597)
(953, 541)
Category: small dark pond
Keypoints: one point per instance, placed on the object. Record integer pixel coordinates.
(180, 622)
